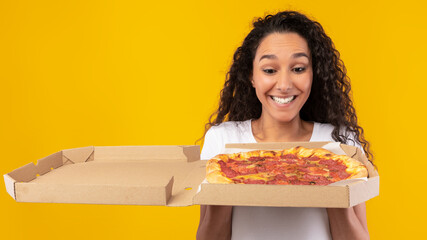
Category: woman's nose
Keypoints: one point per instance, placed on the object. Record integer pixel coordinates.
(284, 82)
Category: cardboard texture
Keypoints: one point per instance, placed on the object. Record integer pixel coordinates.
(143, 175)
(170, 176)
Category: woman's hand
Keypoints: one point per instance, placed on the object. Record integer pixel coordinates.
(215, 223)
(348, 223)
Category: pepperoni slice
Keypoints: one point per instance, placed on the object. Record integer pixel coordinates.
(289, 156)
(281, 177)
(337, 167)
(343, 174)
(226, 170)
(229, 173)
(245, 170)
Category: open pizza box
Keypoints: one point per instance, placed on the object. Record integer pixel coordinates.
(170, 176)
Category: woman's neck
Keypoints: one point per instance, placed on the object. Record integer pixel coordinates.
(269, 130)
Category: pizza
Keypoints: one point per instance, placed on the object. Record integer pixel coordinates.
(295, 166)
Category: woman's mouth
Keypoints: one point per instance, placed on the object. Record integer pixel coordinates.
(280, 100)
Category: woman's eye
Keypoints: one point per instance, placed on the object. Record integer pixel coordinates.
(299, 69)
(269, 71)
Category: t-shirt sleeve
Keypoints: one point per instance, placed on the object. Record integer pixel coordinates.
(212, 144)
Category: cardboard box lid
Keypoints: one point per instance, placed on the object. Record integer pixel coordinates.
(144, 175)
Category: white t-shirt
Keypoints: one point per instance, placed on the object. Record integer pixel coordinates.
(269, 223)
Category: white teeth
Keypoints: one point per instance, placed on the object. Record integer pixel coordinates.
(283, 100)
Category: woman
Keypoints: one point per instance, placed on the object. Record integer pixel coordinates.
(286, 83)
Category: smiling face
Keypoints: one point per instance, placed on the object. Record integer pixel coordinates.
(282, 76)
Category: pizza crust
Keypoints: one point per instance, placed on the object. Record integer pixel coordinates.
(218, 177)
(354, 167)
(212, 166)
(302, 152)
(361, 172)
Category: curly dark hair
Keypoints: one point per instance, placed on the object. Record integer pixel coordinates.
(330, 99)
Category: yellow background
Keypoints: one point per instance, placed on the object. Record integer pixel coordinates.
(82, 73)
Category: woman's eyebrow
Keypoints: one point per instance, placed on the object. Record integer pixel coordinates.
(269, 56)
(300, 54)
(295, 55)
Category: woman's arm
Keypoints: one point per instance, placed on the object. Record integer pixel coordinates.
(348, 223)
(215, 223)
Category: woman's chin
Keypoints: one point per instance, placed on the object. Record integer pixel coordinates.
(288, 118)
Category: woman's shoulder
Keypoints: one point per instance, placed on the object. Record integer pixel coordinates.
(322, 132)
(231, 132)
(228, 132)
(324, 126)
